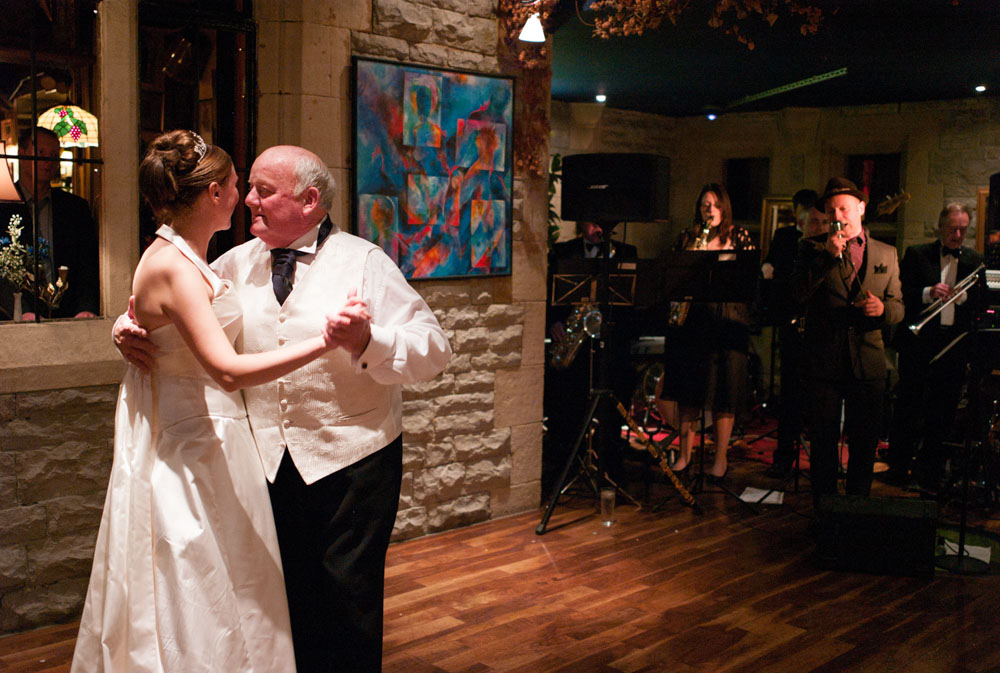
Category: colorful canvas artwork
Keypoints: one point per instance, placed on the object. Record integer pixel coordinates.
(433, 177)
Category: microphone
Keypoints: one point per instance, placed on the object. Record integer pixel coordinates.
(838, 226)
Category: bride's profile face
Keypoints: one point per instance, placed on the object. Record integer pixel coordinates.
(229, 197)
(710, 211)
(231, 191)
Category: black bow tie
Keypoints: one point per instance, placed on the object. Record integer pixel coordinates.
(954, 252)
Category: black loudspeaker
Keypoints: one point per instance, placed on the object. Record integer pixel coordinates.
(993, 204)
(615, 187)
(884, 536)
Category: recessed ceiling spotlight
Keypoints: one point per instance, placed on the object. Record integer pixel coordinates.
(981, 88)
(711, 116)
(600, 98)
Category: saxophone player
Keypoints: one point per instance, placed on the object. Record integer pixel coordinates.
(567, 386)
(705, 358)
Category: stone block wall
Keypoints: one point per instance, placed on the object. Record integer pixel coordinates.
(55, 457)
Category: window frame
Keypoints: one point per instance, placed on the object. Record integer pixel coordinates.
(77, 353)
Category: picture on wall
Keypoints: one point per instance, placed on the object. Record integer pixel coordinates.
(433, 168)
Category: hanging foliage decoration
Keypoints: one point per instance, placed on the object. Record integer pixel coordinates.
(612, 18)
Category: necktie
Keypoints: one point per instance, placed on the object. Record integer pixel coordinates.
(954, 252)
(282, 272)
(283, 262)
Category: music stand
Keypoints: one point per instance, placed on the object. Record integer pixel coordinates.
(717, 276)
(575, 281)
(975, 430)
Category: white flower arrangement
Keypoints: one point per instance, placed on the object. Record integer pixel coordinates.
(15, 260)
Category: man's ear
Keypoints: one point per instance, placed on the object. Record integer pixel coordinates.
(310, 200)
(861, 208)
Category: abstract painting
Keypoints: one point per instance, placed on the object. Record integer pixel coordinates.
(432, 173)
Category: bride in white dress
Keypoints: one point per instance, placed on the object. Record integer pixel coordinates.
(187, 576)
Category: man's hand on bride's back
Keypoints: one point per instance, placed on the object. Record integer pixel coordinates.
(132, 341)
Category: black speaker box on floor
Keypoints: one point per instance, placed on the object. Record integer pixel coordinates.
(885, 536)
(615, 187)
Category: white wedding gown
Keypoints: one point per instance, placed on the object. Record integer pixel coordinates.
(187, 575)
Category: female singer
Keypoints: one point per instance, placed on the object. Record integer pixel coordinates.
(705, 358)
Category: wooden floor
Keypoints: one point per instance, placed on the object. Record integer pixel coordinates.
(664, 590)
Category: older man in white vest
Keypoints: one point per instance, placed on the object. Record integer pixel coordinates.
(329, 434)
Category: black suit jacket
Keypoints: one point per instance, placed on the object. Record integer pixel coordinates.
(839, 340)
(781, 255)
(74, 234)
(920, 268)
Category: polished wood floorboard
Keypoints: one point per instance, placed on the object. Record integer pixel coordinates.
(663, 589)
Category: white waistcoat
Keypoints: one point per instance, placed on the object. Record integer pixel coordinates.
(326, 414)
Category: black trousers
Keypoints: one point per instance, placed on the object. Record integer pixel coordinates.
(927, 396)
(862, 425)
(333, 535)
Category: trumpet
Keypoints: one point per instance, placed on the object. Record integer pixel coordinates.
(939, 305)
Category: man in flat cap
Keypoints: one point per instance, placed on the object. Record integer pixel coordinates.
(849, 283)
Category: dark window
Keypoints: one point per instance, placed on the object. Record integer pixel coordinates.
(747, 183)
(197, 68)
(48, 72)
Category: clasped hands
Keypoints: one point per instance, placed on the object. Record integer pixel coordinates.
(349, 328)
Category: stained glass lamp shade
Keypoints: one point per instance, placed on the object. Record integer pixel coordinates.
(75, 126)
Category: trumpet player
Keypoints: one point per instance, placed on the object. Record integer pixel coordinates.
(928, 392)
(849, 284)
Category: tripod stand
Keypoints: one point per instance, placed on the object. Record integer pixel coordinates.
(584, 287)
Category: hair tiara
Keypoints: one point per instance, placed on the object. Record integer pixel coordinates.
(200, 148)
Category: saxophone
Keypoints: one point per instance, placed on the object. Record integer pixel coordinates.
(584, 321)
(679, 309)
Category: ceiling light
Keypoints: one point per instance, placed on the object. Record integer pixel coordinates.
(711, 116)
(532, 31)
(981, 88)
(600, 98)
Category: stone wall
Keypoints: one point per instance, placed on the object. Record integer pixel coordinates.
(472, 437)
(55, 456)
(949, 149)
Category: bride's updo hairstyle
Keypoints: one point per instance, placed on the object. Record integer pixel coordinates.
(178, 166)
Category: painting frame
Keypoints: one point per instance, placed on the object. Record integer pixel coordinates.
(433, 167)
(775, 213)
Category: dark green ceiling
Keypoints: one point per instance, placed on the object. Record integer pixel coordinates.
(894, 51)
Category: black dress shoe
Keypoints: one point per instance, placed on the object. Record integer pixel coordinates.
(714, 480)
